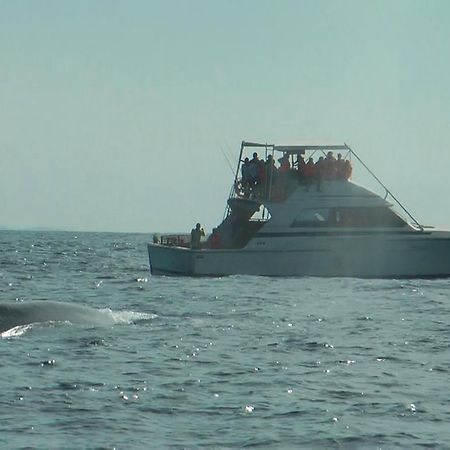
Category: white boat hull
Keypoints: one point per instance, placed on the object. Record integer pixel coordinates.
(370, 255)
(285, 223)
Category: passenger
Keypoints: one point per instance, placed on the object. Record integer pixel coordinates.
(260, 171)
(245, 171)
(196, 235)
(329, 167)
(309, 169)
(246, 179)
(347, 169)
(301, 167)
(279, 190)
(285, 165)
(270, 162)
(318, 169)
(271, 170)
(340, 167)
(253, 168)
(214, 239)
(309, 173)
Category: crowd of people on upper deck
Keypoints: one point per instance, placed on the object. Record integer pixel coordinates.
(257, 173)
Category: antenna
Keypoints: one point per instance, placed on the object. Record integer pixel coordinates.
(227, 159)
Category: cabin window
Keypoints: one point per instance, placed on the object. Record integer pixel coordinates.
(373, 217)
(313, 217)
(368, 217)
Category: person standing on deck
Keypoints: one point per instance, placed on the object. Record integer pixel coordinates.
(245, 171)
(309, 173)
(301, 165)
(196, 235)
(253, 168)
(214, 239)
(347, 169)
(247, 177)
(318, 169)
(285, 165)
(340, 167)
(329, 167)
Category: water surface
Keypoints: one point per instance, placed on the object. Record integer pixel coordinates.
(97, 353)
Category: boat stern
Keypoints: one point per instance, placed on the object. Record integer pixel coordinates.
(170, 260)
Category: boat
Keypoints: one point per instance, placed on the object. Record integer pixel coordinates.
(288, 224)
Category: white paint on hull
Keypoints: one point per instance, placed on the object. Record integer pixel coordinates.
(367, 256)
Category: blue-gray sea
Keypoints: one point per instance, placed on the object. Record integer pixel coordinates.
(98, 354)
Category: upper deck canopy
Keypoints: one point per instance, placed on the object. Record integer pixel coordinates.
(295, 149)
(302, 148)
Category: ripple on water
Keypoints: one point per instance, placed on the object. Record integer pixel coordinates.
(217, 363)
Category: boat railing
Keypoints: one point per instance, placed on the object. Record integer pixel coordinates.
(268, 192)
(173, 240)
(388, 193)
(275, 185)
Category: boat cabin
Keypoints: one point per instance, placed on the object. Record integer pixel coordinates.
(293, 187)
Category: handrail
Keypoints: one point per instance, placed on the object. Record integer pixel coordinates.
(227, 207)
(230, 195)
(385, 188)
(239, 162)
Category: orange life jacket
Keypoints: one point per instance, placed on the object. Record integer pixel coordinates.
(309, 171)
(284, 165)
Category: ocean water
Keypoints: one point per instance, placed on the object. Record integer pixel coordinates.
(96, 353)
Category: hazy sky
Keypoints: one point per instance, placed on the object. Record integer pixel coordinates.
(114, 115)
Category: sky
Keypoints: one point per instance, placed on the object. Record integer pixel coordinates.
(118, 115)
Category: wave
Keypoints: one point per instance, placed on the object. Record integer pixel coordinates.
(16, 318)
(16, 331)
(128, 316)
